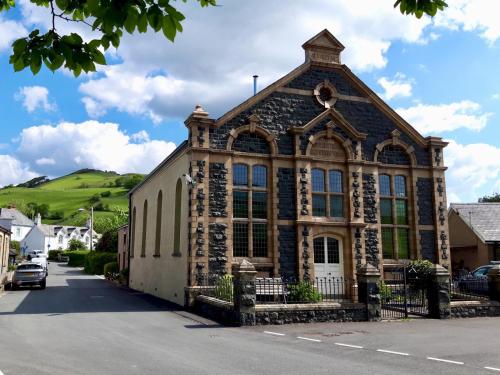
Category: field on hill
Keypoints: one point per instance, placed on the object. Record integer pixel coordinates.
(69, 193)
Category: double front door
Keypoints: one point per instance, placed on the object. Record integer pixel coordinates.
(328, 261)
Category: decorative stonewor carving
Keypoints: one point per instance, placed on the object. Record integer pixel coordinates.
(201, 136)
(199, 240)
(303, 192)
(437, 156)
(328, 149)
(200, 273)
(440, 188)
(371, 247)
(217, 190)
(444, 245)
(441, 210)
(305, 254)
(369, 201)
(424, 201)
(356, 195)
(357, 248)
(200, 175)
(217, 249)
(200, 198)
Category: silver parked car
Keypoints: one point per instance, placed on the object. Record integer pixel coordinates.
(29, 274)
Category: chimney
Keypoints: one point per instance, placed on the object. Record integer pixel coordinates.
(255, 84)
(38, 219)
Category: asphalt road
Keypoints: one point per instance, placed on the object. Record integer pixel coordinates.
(82, 324)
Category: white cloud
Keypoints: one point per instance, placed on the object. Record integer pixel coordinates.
(429, 118)
(34, 97)
(400, 86)
(475, 15)
(14, 171)
(10, 31)
(473, 171)
(160, 80)
(140, 137)
(66, 147)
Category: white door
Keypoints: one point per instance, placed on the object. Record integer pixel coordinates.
(328, 261)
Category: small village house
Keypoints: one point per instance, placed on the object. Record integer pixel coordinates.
(20, 223)
(313, 176)
(474, 234)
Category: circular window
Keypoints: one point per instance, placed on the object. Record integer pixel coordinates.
(325, 94)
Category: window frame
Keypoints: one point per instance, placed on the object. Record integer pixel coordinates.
(327, 194)
(250, 220)
(395, 226)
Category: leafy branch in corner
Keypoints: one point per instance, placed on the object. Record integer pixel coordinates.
(420, 7)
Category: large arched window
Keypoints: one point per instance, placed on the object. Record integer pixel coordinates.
(328, 193)
(177, 218)
(394, 216)
(250, 220)
(144, 228)
(132, 233)
(159, 211)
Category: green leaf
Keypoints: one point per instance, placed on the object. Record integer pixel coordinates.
(98, 57)
(36, 63)
(142, 23)
(155, 17)
(115, 40)
(19, 64)
(19, 45)
(93, 5)
(105, 42)
(131, 20)
(62, 4)
(168, 28)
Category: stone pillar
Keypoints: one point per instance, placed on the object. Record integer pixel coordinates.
(494, 282)
(244, 293)
(438, 293)
(369, 290)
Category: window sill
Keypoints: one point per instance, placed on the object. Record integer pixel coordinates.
(156, 255)
(143, 255)
(177, 255)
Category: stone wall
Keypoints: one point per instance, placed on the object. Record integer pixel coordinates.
(369, 201)
(215, 309)
(310, 313)
(217, 196)
(428, 245)
(217, 249)
(371, 247)
(474, 309)
(287, 209)
(252, 143)
(424, 201)
(287, 245)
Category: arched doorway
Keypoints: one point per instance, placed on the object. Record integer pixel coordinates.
(328, 262)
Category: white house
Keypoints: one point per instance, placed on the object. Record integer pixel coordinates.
(55, 237)
(20, 224)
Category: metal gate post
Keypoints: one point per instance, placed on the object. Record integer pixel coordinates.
(405, 292)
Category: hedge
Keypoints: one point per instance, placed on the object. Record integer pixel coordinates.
(54, 254)
(95, 261)
(77, 258)
(110, 269)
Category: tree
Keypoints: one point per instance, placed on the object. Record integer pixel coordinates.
(15, 245)
(75, 244)
(108, 18)
(132, 181)
(494, 198)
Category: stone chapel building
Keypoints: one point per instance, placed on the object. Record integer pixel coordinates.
(311, 177)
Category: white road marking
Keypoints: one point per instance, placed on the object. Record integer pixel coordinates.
(445, 360)
(492, 368)
(349, 346)
(274, 333)
(100, 277)
(308, 339)
(391, 352)
(1, 373)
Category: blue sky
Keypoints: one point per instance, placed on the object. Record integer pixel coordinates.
(441, 75)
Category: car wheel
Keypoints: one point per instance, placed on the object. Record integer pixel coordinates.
(42, 284)
(14, 287)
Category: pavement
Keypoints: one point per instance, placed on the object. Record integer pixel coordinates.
(82, 324)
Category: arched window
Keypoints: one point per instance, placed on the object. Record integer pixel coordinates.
(394, 217)
(144, 228)
(394, 154)
(159, 210)
(250, 221)
(328, 193)
(132, 233)
(177, 219)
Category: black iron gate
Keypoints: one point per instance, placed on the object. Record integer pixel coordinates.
(403, 294)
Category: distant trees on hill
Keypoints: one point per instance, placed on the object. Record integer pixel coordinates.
(493, 198)
(34, 182)
(129, 181)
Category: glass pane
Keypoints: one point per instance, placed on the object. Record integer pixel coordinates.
(318, 180)
(403, 244)
(240, 174)
(240, 239)
(333, 251)
(387, 244)
(400, 186)
(259, 205)
(240, 204)
(259, 177)
(259, 240)
(385, 185)
(336, 206)
(386, 211)
(401, 212)
(319, 205)
(335, 181)
(319, 250)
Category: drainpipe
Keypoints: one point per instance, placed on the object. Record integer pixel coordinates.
(255, 84)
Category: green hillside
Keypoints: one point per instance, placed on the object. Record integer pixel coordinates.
(65, 195)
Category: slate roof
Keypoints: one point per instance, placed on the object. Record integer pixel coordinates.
(17, 217)
(482, 218)
(52, 230)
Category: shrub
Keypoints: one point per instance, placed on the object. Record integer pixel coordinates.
(111, 270)
(56, 215)
(420, 269)
(106, 194)
(77, 258)
(95, 261)
(76, 245)
(385, 291)
(54, 254)
(303, 292)
(108, 242)
(224, 288)
(12, 267)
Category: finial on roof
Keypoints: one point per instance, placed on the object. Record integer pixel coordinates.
(199, 111)
(323, 48)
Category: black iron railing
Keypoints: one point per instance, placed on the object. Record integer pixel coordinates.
(217, 286)
(469, 289)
